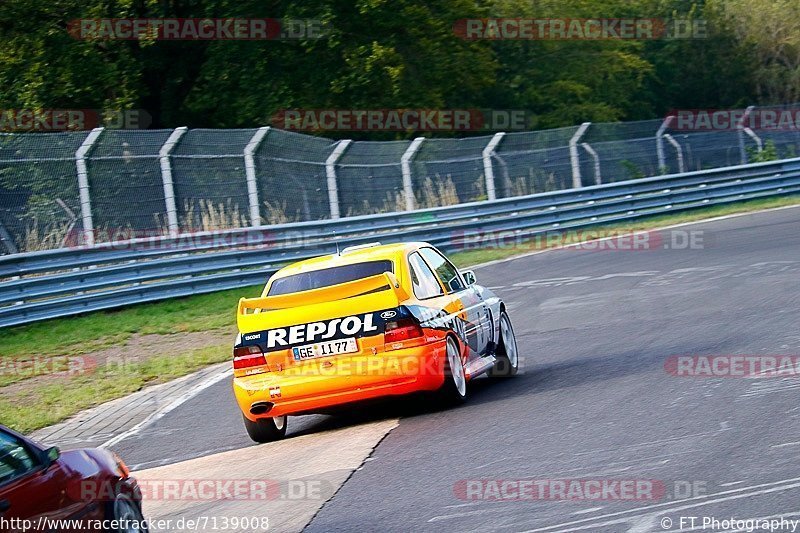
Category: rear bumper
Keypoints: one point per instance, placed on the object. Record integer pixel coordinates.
(328, 382)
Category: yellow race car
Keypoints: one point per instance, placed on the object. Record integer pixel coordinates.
(371, 321)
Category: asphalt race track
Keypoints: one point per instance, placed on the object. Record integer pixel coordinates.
(593, 401)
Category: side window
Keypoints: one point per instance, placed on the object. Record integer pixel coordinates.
(15, 458)
(447, 273)
(422, 278)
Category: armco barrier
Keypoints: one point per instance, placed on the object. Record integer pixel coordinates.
(42, 285)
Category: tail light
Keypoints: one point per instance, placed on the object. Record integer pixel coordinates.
(401, 330)
(247, 357)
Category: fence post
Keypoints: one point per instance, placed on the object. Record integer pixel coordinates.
(8, 242)
(740, 128)
(405, 166)
(755, 137)
(506, 177)
(330, 171)
(575, 157)
(662, 160)
(488, 171)
(166, 177)
(596, 158)
(250, 173)
(83, 185)
(679, 150)
(750, 133)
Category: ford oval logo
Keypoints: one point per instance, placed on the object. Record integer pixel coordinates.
(388, 314)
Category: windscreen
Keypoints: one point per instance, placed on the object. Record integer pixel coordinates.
(326, 277)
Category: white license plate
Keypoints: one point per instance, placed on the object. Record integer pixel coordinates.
(325, 349)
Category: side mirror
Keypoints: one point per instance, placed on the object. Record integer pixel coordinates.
(51, 455)
(469, 277)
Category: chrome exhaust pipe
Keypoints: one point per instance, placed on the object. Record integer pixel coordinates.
(261, 408)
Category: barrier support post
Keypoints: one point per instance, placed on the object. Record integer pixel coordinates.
(488, 172)
(166, 178)
(83, 185)
(405, 165)
(575, 157)
(250, 173)
(330, 172)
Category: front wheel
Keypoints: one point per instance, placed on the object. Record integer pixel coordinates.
(454, 389)
(126, 515)
(507, 354)
(266, 429)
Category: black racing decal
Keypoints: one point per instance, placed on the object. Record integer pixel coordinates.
(439, 319)
(361, 325)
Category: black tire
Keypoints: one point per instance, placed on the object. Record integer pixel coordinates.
(127, 511)
(454, 388)
(507, 352)
(265, 429)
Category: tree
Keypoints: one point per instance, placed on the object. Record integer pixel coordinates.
(571, 81)
(769, 28)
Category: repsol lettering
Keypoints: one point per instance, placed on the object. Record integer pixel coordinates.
(337, 328)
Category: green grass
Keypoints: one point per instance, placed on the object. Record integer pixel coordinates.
(44, 404)
(93, 331)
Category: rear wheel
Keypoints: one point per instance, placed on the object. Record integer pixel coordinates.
(266, 429)
(507, 353)
(454, 389)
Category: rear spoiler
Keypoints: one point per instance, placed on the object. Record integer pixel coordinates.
(325, 295)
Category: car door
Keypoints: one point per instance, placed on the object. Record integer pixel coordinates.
(438, 307)
(30, 489)
(473, 308)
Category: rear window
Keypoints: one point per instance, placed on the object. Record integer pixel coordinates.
(316, 279)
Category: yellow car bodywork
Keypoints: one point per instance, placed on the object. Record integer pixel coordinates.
(277, 327)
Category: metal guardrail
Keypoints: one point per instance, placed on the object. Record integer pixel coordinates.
(42, 285)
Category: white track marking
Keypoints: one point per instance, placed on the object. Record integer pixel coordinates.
(785, 444)
(459, 505)
(645, 524)
(682, 224)
(461, 515)
(177, 402)
(645, 444)
(587, 511)
(734, 494)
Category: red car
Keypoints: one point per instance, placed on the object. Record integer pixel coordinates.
(44, 489)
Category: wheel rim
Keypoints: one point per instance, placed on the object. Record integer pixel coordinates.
(509, 342)
(280, 422)
(456, 368)
(126, 514)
